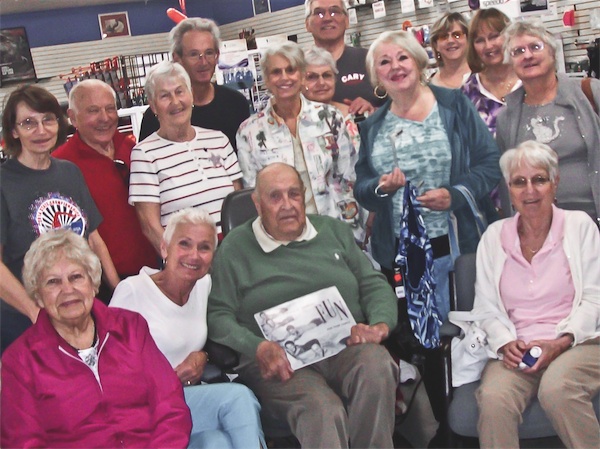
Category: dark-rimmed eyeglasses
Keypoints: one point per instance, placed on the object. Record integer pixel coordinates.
(333, 11)
(313, 77)
(534, 47)
(521, 182)
(48, 121)
(458, 35)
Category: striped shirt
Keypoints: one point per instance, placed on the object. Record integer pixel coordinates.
(197, 173)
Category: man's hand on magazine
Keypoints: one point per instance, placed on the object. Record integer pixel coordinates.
(273, 362)
(363, 333)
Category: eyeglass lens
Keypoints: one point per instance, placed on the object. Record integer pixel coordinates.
(536, 181)
(455, 34)
(332, 11)
(312, 77)
(209, 55)
(534, 47)
(48, 121)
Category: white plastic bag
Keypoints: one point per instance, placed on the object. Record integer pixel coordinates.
(470, 352)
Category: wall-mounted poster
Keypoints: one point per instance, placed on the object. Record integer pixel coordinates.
(16, 63)
(261, 6)
(114, 24)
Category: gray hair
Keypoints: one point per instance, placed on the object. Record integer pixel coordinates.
(165, 70)
(76, 91)
(50, 248)
(189, 215)
(289, 50)
(532, 153)
(193, 24)
(308, 7)
(320, 56)
(530, 29)
(402, 39)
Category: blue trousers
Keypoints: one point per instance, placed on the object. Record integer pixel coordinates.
(224, 416)
(441, 269)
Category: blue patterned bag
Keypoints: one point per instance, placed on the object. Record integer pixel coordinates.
(415, 257)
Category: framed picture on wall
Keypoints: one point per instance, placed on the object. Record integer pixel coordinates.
(114, 24)
(16, 63)
(261, 6)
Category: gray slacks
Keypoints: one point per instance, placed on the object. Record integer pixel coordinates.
(345, 399)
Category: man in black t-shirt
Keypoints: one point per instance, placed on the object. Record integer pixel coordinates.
(195, 45)
(327, 21)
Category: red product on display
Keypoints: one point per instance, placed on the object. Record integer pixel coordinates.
(175, 15)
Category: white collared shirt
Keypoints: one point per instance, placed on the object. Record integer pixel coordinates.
(270, 244)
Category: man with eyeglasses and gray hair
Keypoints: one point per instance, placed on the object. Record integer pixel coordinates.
(195, 45)
(327, 21)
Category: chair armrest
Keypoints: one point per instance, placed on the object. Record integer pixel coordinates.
(446, 356)
(447, 329)
(221, 355)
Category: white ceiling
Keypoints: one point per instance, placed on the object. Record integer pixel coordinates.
(20, 6)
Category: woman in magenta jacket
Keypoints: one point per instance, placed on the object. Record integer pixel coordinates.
(85, 375)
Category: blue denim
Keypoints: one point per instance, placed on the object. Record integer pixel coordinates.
(441, 270)
(224, 416)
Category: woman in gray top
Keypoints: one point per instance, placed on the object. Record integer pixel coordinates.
(553, 109)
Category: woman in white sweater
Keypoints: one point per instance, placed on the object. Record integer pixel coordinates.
(540, 269)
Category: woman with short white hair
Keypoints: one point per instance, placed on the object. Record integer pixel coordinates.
(174, 302)
(179, 165)
(539, 272)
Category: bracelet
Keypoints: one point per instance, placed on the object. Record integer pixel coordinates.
(380, 195)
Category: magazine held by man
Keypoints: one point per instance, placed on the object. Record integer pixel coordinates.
(310, 328)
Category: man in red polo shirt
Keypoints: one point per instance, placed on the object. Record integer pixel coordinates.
(102, 154)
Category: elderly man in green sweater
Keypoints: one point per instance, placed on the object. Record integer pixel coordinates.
(347, 399)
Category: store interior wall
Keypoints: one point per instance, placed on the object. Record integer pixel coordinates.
(72, 25)
(53, 60)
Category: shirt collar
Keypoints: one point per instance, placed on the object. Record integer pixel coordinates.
(269, 244)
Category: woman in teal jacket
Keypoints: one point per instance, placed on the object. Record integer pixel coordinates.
(433, 137)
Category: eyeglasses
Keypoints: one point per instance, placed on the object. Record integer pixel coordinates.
(458, 35)
(536, 181)
(534, 47)
(333, 11)
(209, 55)
(312, 77)
(48, 121)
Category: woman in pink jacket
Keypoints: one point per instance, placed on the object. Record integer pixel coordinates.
(85, 375)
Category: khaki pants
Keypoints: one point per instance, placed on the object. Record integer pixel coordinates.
(565, 391)
(346, 398)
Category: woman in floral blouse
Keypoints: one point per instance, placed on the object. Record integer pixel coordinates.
(310, 136)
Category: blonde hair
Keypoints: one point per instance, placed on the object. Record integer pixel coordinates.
(53, 246)
(402, 39)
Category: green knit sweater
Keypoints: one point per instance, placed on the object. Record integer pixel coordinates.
(247, 280)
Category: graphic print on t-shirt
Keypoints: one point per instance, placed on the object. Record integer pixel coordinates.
(55, 211)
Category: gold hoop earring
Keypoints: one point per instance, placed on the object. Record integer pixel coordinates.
(380, 96)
